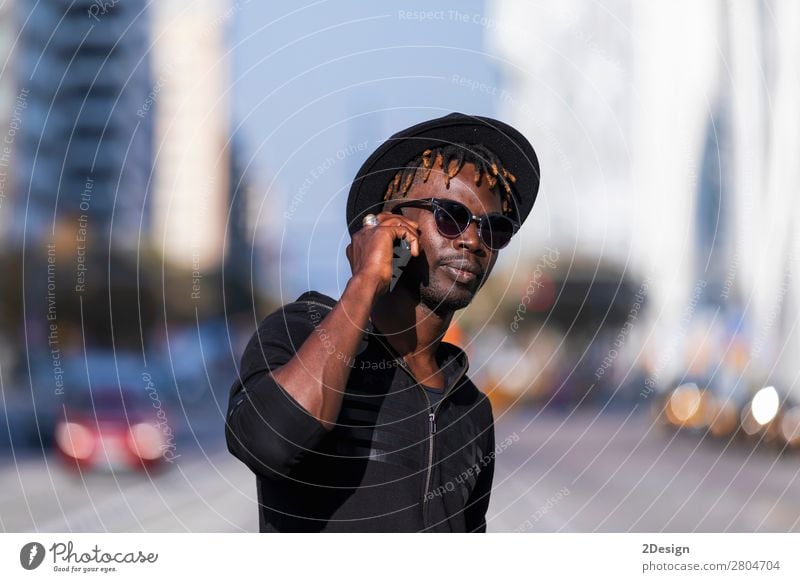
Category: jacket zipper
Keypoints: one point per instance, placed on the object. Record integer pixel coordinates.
(432, 438)
(431, 431)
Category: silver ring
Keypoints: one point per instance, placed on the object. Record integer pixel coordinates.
(370, 220)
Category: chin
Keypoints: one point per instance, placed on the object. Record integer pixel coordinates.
(446, 296)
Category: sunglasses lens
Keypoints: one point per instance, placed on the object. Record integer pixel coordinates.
(497, 232)
(452, 218)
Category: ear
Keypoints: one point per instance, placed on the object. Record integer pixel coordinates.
(348, 251)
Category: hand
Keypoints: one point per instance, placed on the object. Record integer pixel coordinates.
(371, 251)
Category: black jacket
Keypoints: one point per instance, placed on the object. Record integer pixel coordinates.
(389, 464)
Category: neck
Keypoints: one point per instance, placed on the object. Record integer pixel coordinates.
(412, 329)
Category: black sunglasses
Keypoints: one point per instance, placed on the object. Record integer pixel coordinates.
(452, 218)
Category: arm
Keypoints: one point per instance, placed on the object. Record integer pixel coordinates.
(292, 382)
(279, 414)
(316, 377)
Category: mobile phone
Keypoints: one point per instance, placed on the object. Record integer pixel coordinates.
(402, 254)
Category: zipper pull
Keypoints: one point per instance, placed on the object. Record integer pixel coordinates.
(432, 419)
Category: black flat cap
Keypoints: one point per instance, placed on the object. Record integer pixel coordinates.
(511, 147)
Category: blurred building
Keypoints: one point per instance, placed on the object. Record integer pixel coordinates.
(121, 131)
(565, 84)
(677, 97)
(717, 133)
(8, 100)
(668, 134)
(84, 155)
(190, 99)
(763, 50)
(8, 122)
(82, 161)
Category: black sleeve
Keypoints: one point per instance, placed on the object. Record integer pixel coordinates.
(266, 428)
(478, 502)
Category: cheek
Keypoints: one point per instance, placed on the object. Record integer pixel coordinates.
(430, 241)
(432, 248)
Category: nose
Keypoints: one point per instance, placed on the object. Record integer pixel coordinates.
(470, 240)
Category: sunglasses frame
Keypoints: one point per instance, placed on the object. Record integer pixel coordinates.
(436, 205)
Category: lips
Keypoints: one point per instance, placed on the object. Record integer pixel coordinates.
(464, 271)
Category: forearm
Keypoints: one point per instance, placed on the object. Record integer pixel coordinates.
(317, 374)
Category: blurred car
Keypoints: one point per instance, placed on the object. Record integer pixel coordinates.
(754, 413)
(110, 429)
(114, 422)
(697, 405)
(771, 417)
(790, 424)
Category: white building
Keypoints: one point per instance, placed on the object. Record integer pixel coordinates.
(669, 135)
(190, 99)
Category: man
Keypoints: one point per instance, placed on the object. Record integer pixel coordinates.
(354, 414)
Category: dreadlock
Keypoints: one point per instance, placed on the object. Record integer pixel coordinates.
(451, 158)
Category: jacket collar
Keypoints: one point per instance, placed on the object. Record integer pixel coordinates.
(452, 360)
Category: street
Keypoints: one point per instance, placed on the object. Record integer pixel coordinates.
(562, 472)
(617, 474)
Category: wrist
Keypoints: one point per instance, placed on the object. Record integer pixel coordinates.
(363, 288)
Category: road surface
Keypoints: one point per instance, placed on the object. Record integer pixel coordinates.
(561, 472)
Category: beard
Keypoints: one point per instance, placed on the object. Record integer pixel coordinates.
(444, 300)
(432, 287)
(441, 294)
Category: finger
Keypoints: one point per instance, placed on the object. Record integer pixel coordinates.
(408, 233)
(403, 230)
(385, 217)
(413, 246)
(412, 236)
(410, 225)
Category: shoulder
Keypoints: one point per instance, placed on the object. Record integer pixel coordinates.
(280, 334)
(484, 408)
(468, 394)
(306, 311)
(315, 298)
(480, 407)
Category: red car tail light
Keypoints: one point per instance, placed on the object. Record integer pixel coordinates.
(145, 441)
(75, 440)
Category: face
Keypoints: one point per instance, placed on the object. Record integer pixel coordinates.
(443, 287)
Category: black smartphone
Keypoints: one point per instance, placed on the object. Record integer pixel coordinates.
(402, 254)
